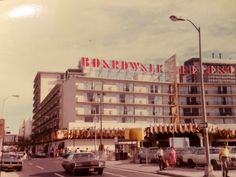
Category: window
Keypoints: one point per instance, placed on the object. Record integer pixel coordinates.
(154, 88)
(151, 99)
(122, 98)
(88, 119)
(90, 96)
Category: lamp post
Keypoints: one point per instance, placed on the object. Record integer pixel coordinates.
(2, 114)
(95, 134)
(4, 101)
(101, 146)
(208, 169)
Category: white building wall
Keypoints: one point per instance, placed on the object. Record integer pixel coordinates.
(69, 106)
(48, 81)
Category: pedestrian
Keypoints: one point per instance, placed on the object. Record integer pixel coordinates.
(29, 154)
(223, 157)
(172, 157)
(160, 157)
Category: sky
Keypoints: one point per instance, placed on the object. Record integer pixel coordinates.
(52, 35)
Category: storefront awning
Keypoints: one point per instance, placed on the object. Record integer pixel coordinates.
(178, 128)
(85, 133)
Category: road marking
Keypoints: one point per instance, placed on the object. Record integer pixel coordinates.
(40, 167)
(146, 173)
(114, 174)
(59, 175)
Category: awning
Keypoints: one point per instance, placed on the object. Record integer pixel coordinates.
(189, 128)
(171, 128)
(86, 133)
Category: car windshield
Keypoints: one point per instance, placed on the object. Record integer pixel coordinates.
(83, 156)
(9, 156)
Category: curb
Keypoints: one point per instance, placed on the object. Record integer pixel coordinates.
(170, 174)
(155, 172)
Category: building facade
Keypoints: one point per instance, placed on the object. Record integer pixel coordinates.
(113, 103)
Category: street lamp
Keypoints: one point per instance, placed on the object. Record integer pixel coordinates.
(101, 146)
(4, 101)
(208, 169)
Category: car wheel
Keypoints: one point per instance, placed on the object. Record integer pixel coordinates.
(191, 163)
(178, 162)
(100, 171)
(74, 172)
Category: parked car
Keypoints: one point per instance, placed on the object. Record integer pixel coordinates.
(199, 158)
(11, 162)
(147, 154)
(179, 154)
(83, 162)
(232, 151)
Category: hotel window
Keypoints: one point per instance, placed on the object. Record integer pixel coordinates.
(193, 89)
(88, 119)
(151, 99)
(126, 87)
(95, 109)
(90, 96)
(222, 89)
(125, 111)
(128, 120)
(154, 88)
(188, 121)
(122, 98)
(223, 100)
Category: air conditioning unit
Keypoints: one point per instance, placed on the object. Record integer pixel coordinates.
(141, 113)
(110, 112)
(140, 102)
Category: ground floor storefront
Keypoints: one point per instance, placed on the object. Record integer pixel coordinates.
(188, 135)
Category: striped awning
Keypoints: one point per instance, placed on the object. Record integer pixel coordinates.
(190, 128)
(86, 133)
(179, 128)
(171, 128)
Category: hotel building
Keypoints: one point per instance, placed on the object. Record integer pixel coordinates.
(120, 103)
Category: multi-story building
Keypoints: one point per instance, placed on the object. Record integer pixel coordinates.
(105, 102)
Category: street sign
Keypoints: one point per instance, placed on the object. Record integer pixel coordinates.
(2, 128)
(203, 125)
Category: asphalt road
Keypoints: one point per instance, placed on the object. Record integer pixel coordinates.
(51, 167)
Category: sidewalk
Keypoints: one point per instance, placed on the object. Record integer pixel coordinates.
(153, 168)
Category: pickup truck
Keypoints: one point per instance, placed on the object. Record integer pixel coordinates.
(199, 158)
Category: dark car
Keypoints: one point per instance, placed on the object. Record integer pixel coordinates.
(11, 162)
(83, 162)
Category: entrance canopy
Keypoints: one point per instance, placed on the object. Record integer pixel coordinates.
(222, 131)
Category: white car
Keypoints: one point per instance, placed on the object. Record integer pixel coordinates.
(199, 158)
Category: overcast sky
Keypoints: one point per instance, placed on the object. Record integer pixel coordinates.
(52, 35)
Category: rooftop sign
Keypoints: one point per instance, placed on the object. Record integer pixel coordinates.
(120, 65)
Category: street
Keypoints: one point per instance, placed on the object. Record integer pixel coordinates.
(51, 167)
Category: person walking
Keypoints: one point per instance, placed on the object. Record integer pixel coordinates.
(172, 157)
(160, 156)
(223, 157)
